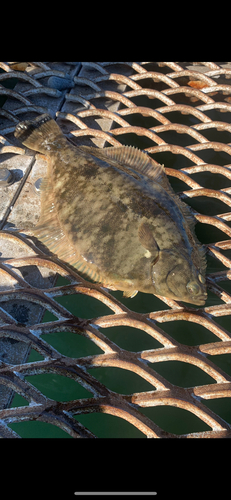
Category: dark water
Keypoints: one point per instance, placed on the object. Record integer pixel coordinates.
(168, 418)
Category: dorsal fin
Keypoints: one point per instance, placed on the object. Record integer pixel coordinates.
(140, 162)
(130, 157)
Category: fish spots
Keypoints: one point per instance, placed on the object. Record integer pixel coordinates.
(90, 171)
(59, 184)
(105, 228)
(147, 254)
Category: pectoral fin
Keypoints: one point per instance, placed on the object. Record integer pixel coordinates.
(148, 241)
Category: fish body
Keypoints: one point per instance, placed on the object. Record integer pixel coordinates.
(113, 215)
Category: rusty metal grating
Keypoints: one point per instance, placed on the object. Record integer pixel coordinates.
(112, 103)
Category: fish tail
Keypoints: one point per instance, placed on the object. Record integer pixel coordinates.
(41, 134)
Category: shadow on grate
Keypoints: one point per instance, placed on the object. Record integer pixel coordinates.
(97, 364)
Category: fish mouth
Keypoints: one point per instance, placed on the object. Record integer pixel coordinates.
(199, 301)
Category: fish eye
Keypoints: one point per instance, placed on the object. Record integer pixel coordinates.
(193, 288)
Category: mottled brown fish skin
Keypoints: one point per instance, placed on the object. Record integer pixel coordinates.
(113, 215)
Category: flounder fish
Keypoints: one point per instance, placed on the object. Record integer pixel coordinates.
(112, 214)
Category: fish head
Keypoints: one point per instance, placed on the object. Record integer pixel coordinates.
(175, 276)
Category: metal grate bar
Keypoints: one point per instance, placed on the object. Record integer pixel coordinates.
(107, 103)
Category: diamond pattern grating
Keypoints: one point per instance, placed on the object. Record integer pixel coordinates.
(177, 113)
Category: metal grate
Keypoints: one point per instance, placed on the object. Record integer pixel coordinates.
(147, 105)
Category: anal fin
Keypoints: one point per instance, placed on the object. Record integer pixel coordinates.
(129, 294)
